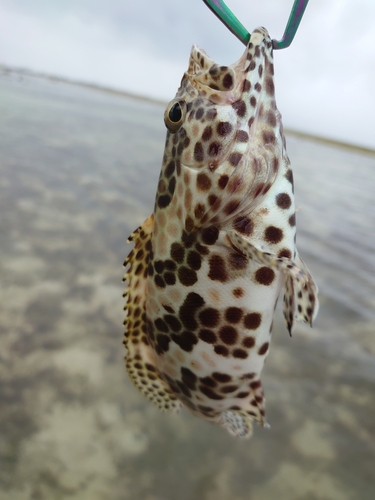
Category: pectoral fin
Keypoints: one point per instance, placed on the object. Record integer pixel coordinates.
(301, 295)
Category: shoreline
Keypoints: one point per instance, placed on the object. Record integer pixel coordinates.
(159, 102)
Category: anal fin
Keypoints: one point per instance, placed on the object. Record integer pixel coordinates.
(140, 357)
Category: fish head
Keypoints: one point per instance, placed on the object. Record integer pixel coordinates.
(224, 134)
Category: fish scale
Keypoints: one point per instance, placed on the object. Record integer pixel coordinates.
(209, 264)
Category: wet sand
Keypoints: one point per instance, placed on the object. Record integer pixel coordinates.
(78, 173)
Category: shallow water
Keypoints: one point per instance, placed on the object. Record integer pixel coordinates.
(78, 174)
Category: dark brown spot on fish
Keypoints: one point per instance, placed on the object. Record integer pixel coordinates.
(170, 168)
(265, 276)
(239, 107)
(187, 276)
(241, 354)
(248, 376)
(194, 260)
(252, 321)
(273, 234)
(221, 350)
(253, 101)
(269, 137)
(258, 87)
(271, 118)
(203, 182)
(217, 270)
(233, 314)
(231, 207)
(244, 225)
(270, 88)
(173, 323)
(228, 335)
(223, 181)
(214, 148)
(210, 393)
(186, 340)
(292, 220)
(210, 382)
(199, 210)
(237, 261)
(212, 199)
(229, 388)
(198, 152)
(224, 128)
(228, 81)
(180, 148)
(211, 114)
(285, 253)
(189, 378)
(159, 281)
(238, 292)
(242, 136)
(221, 377)
(234, 159)
(209, 317)
(188, 239)
(177, 252)
(161, 325)
(199, 113)
(266, 188)
(283, 201)
(164, 200)
(275, 164)
(246, 86)
(289, 176)
(263, 348)
(159, 266)
(205, 409)
(252, 65)
(207, 336)
(248, 342)
(189, 224)
(210, 235)
(172, 186)
(169, 278)
(163, 342)
(242, 394)
(207, 133)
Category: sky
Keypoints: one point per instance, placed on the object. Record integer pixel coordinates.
(324, 81)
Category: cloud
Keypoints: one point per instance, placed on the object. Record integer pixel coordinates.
(324, 81)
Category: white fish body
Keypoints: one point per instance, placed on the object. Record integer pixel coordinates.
(208, 265)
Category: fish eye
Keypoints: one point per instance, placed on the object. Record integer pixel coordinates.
(174, 115)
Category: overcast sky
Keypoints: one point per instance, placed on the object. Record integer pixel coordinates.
(325, 81)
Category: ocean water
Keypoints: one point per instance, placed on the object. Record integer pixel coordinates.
(78, 172)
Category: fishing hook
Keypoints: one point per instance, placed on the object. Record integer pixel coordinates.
(226, 16)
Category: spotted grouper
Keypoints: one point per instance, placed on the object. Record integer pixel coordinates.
(208, 265)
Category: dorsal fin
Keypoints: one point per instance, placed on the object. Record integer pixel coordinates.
(140, 357)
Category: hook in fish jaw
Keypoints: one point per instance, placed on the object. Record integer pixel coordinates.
(226, 16)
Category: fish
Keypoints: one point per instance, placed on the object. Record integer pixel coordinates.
(208, 265)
